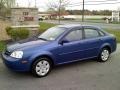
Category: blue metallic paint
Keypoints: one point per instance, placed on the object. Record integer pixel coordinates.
(60, 54)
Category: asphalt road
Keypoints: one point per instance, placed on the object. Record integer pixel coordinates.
(84, 75)
(101, 25)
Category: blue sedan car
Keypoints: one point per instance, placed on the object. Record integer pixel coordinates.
(59, 45)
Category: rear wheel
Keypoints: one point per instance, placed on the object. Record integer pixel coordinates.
(41, 67)
(104, 55)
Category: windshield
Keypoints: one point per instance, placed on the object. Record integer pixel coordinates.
(52, 33)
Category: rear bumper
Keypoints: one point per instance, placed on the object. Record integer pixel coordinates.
(15, 64)
(114, 47)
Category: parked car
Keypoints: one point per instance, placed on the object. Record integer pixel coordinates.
(69, 17)
(40, 19)
(59, 45)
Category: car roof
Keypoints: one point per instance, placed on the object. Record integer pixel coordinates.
(70, 26)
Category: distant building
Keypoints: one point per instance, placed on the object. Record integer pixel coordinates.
(47, 15)
(43, 16)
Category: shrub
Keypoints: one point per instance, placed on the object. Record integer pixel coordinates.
(8, 29)
(2, 46)
(17, 33)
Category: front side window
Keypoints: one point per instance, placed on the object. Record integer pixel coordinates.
(52, 33)
(74, 35)
(91, 33)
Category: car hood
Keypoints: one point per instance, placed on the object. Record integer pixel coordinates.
(26, 45)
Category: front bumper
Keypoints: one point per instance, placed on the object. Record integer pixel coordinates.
(15, 64)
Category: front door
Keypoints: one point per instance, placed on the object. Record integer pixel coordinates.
(72, 50)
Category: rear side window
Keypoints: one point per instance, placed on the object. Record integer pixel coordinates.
(91, 33)
(74, 35)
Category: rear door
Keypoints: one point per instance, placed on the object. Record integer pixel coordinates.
(92, 42)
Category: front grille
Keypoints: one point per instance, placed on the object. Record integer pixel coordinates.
(7, 53)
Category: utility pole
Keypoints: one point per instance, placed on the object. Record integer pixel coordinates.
(28, 3)
(35, 4)
(83, 11)
(59, 12)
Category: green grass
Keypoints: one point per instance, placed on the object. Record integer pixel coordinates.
(116, 33)
(115, 22)
(2, 46)
(44, 26)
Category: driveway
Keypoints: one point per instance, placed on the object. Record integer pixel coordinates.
(84, 75)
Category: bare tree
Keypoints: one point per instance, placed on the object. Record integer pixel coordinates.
(8, 3)
(5, 6)
(58, 6)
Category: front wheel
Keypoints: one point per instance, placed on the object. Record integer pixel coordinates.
(41, 67)
(104, 55)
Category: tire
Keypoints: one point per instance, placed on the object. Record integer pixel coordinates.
(104, 55)
(41, 67)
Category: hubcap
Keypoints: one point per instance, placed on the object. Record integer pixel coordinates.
(105, 55)
(42, 67)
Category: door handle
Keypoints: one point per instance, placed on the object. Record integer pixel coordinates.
(100, 39)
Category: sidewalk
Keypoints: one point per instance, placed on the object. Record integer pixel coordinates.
(0, 61)
(3, 34)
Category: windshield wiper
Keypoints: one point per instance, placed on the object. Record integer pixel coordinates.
(43, 39)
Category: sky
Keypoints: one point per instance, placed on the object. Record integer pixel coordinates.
(41, 4)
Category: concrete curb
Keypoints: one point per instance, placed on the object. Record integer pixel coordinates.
(0, 58)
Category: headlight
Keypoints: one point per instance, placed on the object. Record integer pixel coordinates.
(17, 54)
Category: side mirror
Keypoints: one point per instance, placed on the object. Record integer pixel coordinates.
(64, 41)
